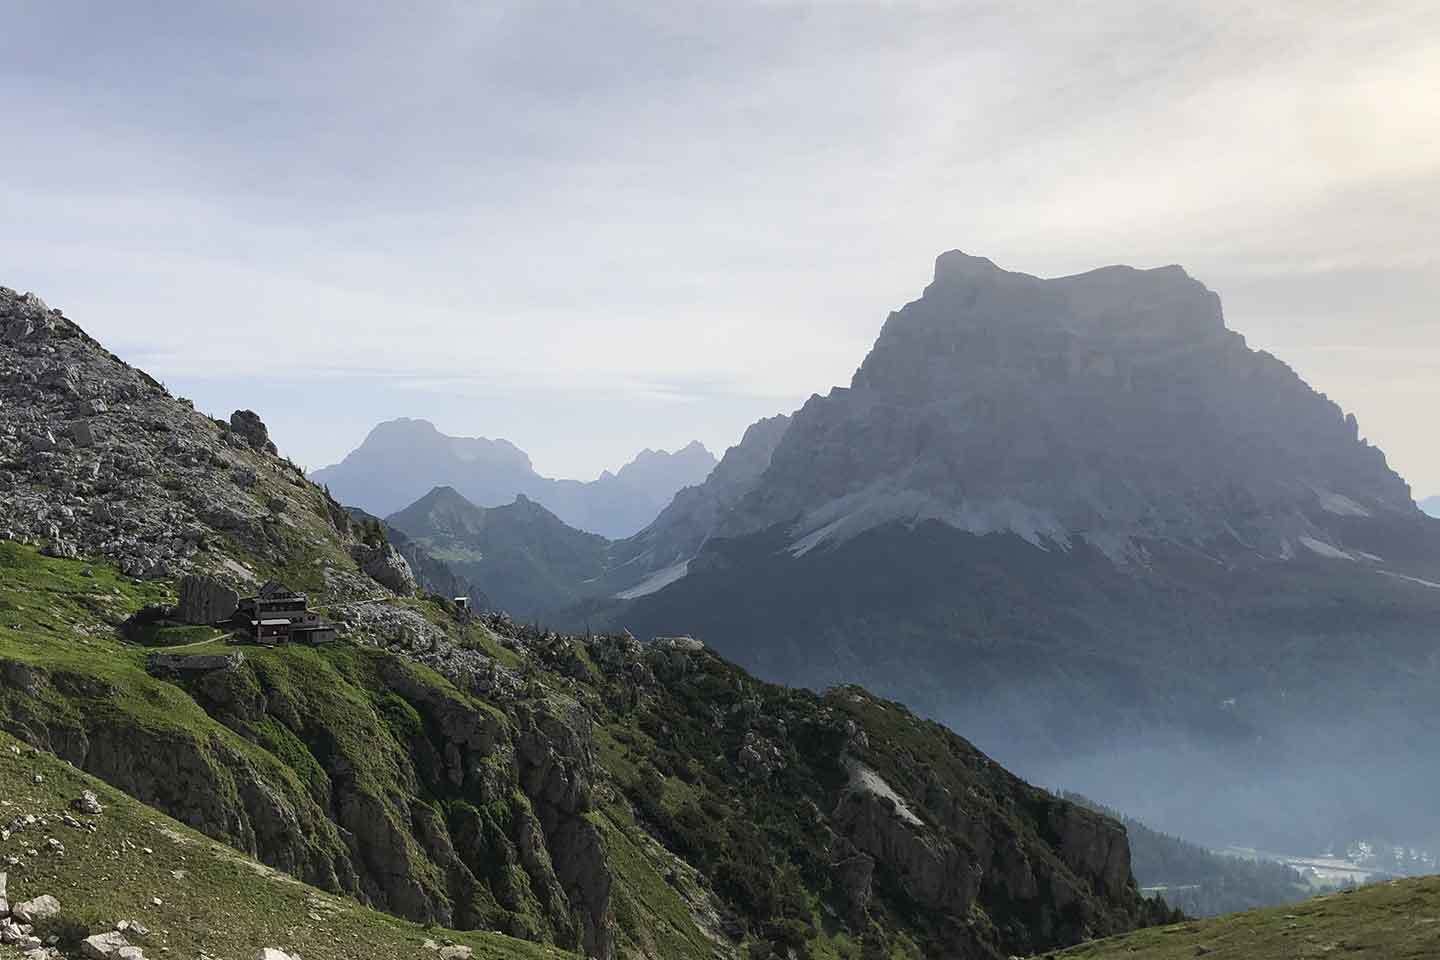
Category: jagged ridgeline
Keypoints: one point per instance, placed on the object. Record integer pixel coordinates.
(598, 794)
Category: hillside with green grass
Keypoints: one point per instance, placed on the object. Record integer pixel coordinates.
(1398, 920)
(628, 799)
(192, 895)
(591, 794)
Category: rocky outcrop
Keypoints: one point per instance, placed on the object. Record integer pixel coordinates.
(249, 427)
(98, 460)
(432, 575)
(210, 783)
(935, 873)
(386, 566)
(205, 600)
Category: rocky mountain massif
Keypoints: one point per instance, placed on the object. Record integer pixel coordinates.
(592, 794)
(1082, 521)
(401, 460)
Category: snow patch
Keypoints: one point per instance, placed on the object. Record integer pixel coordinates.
(1340, 505)
(849, 516)
(1324, 549)
(865, 780)
(1401, 576)
(657, 581)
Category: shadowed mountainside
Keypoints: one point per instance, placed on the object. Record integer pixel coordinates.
(1080, 519)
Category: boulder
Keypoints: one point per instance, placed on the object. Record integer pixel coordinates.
(40, 908)
(205, 600)
(386, 566)
(250, 428)
(107, 946)
(87, 803)
(82, 433)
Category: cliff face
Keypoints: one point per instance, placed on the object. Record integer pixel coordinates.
(605, 796)
(677, 534)
(1113, 406)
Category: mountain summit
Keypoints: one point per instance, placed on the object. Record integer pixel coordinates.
(1113, 406)
(1082, 519)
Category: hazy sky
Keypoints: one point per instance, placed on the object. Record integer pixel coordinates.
(595, 227)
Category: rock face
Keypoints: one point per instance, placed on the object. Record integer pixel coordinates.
(386, 566)
(403, 459)
(100, 461)
(1081, 520)
(250, 428)
(205, 600)
(665, 546)
(39, 908)
(1113, 406)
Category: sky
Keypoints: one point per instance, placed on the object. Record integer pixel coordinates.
(594, 227)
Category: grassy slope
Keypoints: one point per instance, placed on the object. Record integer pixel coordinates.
(55, 616)
(219, 902)
(1399, 920)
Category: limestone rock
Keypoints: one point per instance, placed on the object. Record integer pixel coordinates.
(111, 945)
(386, 566)
(88, 803)
(40, 908)
(205, 600)
(250, 428)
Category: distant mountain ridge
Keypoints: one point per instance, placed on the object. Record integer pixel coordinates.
(1431, 505)
(526, 559)
(401, 460)
(534, 565)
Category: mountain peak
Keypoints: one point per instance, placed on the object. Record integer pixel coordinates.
(402, 459)
(1094, 404)
(959, 265)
